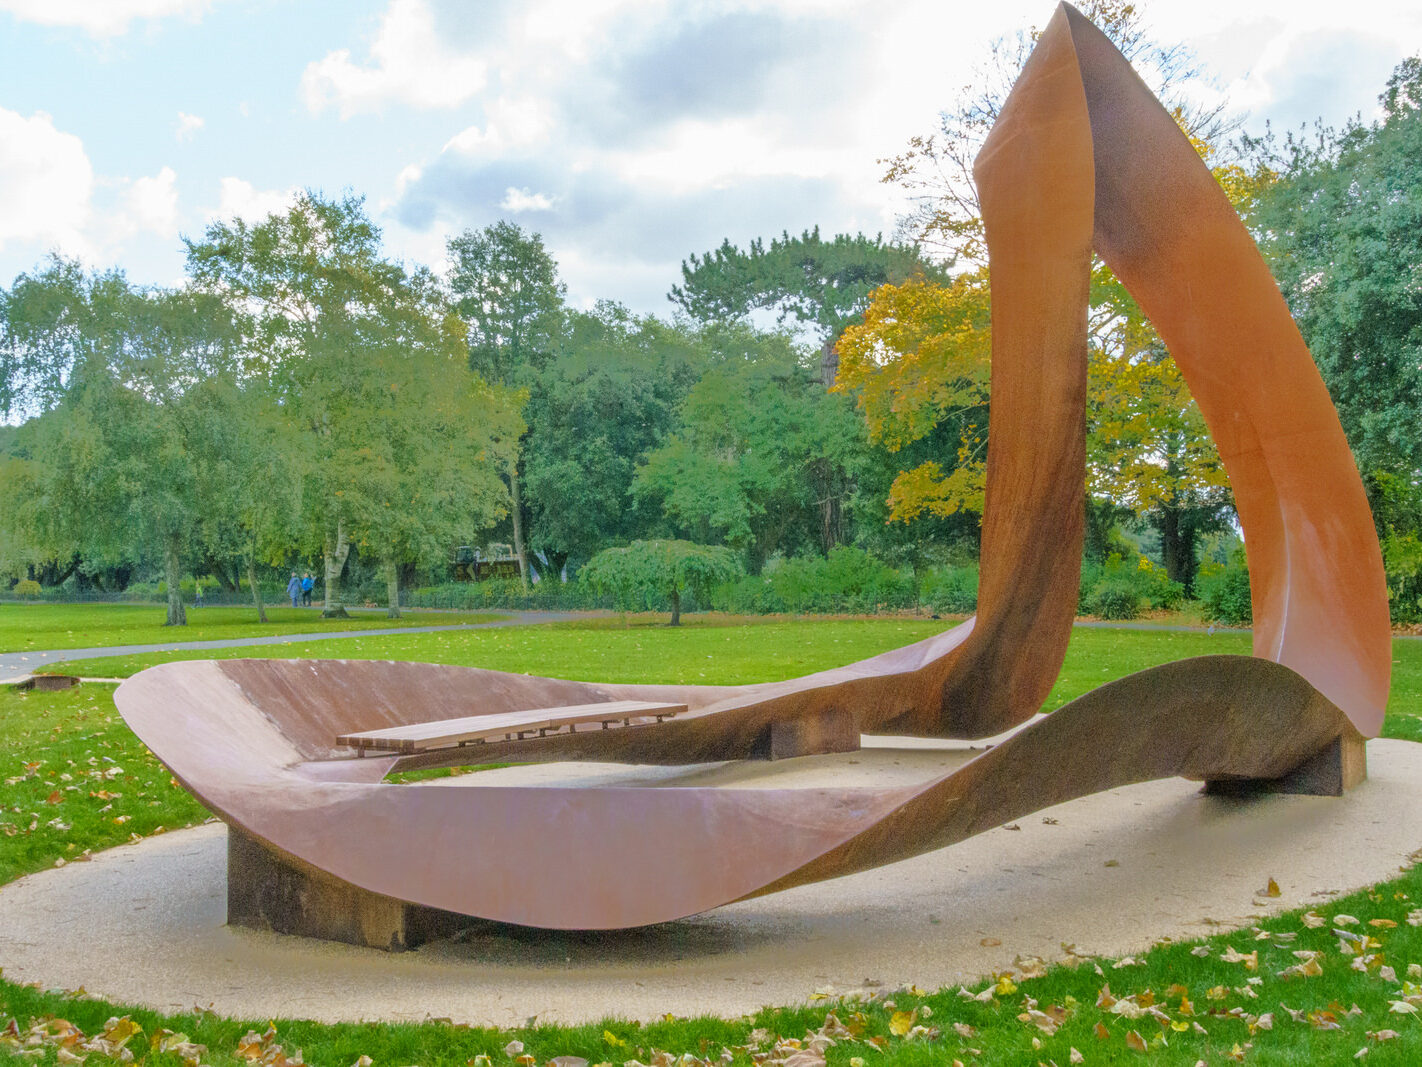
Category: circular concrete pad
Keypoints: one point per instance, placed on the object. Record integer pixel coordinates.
(143, 924)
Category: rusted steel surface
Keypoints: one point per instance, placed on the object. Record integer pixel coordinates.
(1082, 157)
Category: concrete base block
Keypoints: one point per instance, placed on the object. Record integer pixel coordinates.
(1338, 768)
(269, 892)
(832, 730)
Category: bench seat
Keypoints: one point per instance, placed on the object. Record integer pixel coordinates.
(506, 726)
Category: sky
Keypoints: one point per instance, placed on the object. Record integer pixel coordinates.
(629, 133)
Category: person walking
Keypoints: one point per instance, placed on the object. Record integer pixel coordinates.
(307, 584)
(197, 594)
(293, 590)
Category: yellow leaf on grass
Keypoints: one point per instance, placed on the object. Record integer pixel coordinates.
(901, 1023)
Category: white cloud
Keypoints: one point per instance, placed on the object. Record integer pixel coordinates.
(188, 126)
(517, 200)
(508, 124)
(410, 65)
(152, 203)
(238, 198)
(102, 18)
(46, 183)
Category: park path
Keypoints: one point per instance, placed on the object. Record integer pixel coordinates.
(16, 665)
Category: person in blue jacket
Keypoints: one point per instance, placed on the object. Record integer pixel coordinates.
(293, 590)
(307, 584)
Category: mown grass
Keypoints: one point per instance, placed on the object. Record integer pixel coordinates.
(1244, 1011)
(74, 779)
(26, 627)
(719, 650)
(1229, 998)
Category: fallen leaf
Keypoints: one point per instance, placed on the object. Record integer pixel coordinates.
(1135, 1042)
(989, 942)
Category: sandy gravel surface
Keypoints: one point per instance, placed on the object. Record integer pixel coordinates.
(144, 923)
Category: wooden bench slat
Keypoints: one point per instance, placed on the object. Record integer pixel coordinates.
(422, 736)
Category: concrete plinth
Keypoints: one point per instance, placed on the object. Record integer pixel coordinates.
(1341, 766)
(267, 891)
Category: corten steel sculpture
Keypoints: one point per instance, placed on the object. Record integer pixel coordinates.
(1083, 157)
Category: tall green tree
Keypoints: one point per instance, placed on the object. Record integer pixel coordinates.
(607, 399)
(1342, 231)
(139, 445)
(507, 291)
(330, 329)
(818, 285)
(918, 364)
(755, 432)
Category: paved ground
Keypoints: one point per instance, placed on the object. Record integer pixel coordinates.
(144, 923)
(15, 665)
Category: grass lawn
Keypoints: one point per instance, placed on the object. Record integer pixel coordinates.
(73, 779)
(24, 627)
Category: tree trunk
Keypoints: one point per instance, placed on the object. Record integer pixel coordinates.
(256, 589)
(176, 615)
(829, 362)
(392, 589)
(1178, 533)
(517, 514)
(676, 606)
(335, 560)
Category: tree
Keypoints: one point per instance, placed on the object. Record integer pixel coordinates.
(608, 398)
(755, 433)
(433, 471)
(820, 285)
(1341, 229)
(647, 571)
(918, 363)
(331, 330)
(507, 290)
(140, 441)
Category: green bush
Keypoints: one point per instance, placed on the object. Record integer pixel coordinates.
(1224, 591)
(1402, 563)
(508, 593)
(1114, 598)
(950, 590)
(1124, 586)
(754, 594)
(27, 588)
(848, 580)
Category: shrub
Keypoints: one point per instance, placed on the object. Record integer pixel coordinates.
(847, 580)
(753, 594)
(950, 590)
(1224, 591)
(1115, 598)
(27, 588)
(1402, 563)
(507, 593)
(1122, 587)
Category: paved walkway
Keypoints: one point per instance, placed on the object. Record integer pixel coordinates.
(1110, 873)
(15, 665)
